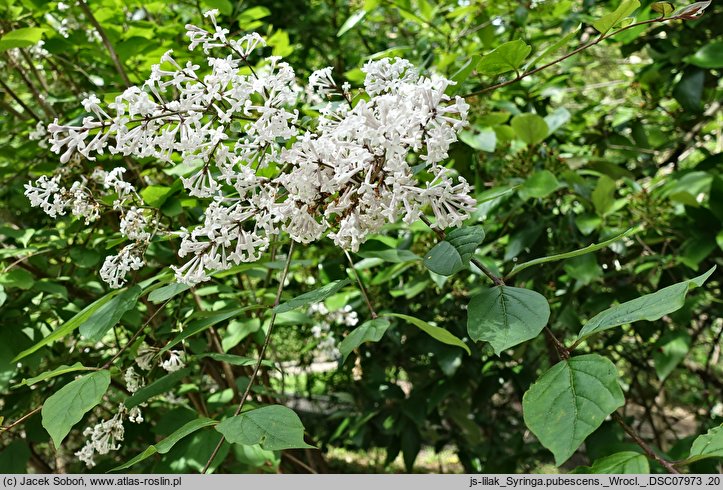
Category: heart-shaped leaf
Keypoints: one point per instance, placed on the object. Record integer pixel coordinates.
(570, 401)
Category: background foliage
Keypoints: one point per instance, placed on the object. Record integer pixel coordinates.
(623, 137)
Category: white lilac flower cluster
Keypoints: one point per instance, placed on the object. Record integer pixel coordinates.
(83, 199)
(147, 356)
(322, 332)
(106, 435)
(366, 159)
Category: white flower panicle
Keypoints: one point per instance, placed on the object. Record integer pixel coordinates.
(174, 362)
(106, 435)
(134, 381)
(326, 344)
(368, 159)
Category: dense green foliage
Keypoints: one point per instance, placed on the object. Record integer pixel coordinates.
(475, 342)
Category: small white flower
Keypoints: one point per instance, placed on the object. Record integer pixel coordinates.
(173, 363)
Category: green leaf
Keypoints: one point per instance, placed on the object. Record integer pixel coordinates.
(17, 278)
(539, 185)
(708, 445)
(167, 444)
(251, 15)
(506, 57)
(15, 456)
(225, 7)
(463, 74)
(649, 307)
(664, 8)
(554, 47)
(454, 253)
(530, 128)
(709, 56)
(20, 38)
(506, 316)
(393, 255)
(234, 360)
(669, 351)
(155, 195)
(167, 292)
(483, 140)
(88, 312)
(438, 333)
(689, 90)
(608, 21)
(557, 119)
(575, 253)
(161, 385)
(53, 373)
(625, 462)
(369, 331)
(207, 321)
(312, 296)
(63, 409)
(603, 197)
(274, 427)
(353, 20)
(109, 314)
(570, 401)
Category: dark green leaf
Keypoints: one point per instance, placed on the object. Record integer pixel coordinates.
(454, 253)
(109, 314)
(538, 185)
(167, 292)
(570, 401)
(438, 333)
(708, 445)
(506, 57)
(53, 373)
(626, 462)
(312, 296)
(709, 56)
(87, 313)
(274, 427)
(649, 307)
(62, 410)
(530, 128)
(608, 21)
(369, 331)
(166, 444)
(161, 385)
(506, 316)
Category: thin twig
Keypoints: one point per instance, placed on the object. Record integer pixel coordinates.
(135, 335)
(598, 40)
(18, 100)
(643, 445)
(257, 367)
(216, 343)
(106, 42)
(498, 281)
(21, 419)
(361, 286)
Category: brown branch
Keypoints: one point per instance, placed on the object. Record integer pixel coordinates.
(18, 100)
(135, 336)
(216, 343)
(643, 445)
(29, 84)
(106, 42)
(260, 360)
(361, 286)
(21, 419)
(599, 39)
(498, 281)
